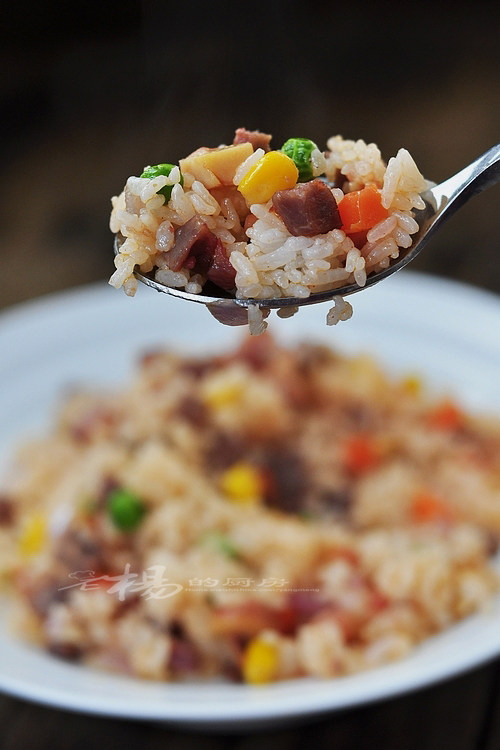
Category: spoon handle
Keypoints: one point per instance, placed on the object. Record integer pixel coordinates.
(473, 179)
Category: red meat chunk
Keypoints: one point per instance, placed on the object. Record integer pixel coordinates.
(221, 271)
(200, 250)
(307, 209)
(195, 241)
(255, 137)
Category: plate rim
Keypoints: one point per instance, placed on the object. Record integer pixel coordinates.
(253, 711)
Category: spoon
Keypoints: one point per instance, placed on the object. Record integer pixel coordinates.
(441, 202)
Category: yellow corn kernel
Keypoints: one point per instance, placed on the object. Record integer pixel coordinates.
(242, 483)
(412, 384)
(274, 171)
(260, 662)
(33, 536)
(222, 394)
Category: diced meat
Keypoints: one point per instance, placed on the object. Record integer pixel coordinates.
(65, 650)
(231, 192)
(200, 250)
(79, 552)
(305, 605)
(307, 209)
(176, 630)
(336, 500)
(231, 667)
(286, 479)
(221, 272)
(193, 239)
(42, 592)
(224, 449)
(492, 543)
(184, 657)
(6, 511)
(193, 411)
(358, 416)
(255, 137)
(231, 314)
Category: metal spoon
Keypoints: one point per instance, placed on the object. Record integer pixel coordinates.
(441, 202)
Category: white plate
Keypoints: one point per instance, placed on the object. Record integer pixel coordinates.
(410, 322)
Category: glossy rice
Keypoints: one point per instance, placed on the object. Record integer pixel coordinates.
(303, 514)
(268, 261)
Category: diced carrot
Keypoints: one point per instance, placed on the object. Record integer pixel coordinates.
(360, 210)
(427, 507)
(446, 416)
(360, 454)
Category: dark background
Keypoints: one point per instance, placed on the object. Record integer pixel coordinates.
(91, 92)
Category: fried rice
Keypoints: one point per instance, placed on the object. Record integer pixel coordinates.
(259, 515)
(227, 221)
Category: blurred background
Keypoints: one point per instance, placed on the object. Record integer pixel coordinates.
(92, 92)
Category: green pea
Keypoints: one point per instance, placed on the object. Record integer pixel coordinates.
(125, 509)
(221, 543)
(157, 170)
(300, 150)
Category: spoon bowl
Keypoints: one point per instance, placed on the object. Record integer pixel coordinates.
(441, 202)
